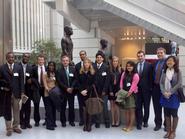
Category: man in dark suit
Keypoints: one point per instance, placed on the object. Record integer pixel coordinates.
(26, 107)
(143, 97)
(156, 93)
(37, 81)
(12, 73)
(66, 81)
(78, 66)
(101, 83)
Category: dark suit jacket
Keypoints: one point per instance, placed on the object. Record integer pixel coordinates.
(15, 80)
(86, 81)
(62, 78)
(145, 80)
(78, 67)
(28, 75)
(102, 78)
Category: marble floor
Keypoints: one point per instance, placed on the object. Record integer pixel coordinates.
(102, 133)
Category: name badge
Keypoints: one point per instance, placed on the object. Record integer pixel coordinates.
(16, 74)
(54, 78)
(71, 75)
(128, 84)
(27, 74)
(104, 74)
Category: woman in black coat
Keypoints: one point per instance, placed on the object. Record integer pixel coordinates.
(86, 78)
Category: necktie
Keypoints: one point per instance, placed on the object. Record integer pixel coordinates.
(140, 68)
(67, 75)
(158, 72)
(24, 70)
(11, 68)
(41, 76)
(98, 66)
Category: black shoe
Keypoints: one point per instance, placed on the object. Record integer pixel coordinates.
(157, 128)
(72, 123)
(97, 125)
(23, 127)
(63, 124)
(107, 125)
(145, 125)
(29, 126)
(50, 128)
(139, 127)
(44, 124)
(36, 124)
(81, 123)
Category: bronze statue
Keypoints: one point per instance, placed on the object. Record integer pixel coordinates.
(66, 43)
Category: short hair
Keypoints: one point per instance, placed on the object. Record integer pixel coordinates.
(100, 53)
(63, 56)
(161, 48)
(82, 51)
(141, 51)
(8, 53)
(40, 56)
(66, 28)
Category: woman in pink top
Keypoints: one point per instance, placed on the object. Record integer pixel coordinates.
(128, 82)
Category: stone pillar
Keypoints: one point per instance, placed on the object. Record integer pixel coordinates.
(181, 62)
(5, 29)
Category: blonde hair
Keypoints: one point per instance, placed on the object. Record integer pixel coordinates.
(111, 66)
(91, 69)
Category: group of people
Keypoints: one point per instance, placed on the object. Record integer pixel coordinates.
(141, 80)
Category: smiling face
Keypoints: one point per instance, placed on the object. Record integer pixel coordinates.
(161, 53)
(65, 61)
(115, 62)
(99, 59)
(140, 57)
(51, 67)
(87, 64)
(129, 68)
(10, 58)
(170, 63)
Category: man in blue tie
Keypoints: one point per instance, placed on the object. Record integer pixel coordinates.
(144, 91)
(156, 92)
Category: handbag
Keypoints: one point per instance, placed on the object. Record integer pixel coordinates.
(94, 105)
(180, 95)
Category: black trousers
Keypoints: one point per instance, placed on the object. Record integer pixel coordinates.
(142, 106)
(68, 98)
(156, 95)
(81, 105)
(25, 113)
(37, 106)
(50, 112)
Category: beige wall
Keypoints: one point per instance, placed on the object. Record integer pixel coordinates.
(127, 49)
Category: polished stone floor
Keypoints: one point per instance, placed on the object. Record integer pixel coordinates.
(102, 133)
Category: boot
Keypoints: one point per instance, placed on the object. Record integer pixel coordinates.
(88, 122)
(168, 127)
(8, 128)
(175, 122)
(85, 119)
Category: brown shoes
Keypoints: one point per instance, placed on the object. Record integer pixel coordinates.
(17, 130)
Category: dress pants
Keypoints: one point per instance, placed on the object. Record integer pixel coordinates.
(14, 106)
(25, 113)
(105, 113)
(37, 106)
(50, 113)
(142, 106)
(156, 95)
(81, 105)
(68, 98)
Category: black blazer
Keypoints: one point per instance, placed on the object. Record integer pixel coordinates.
(85, 81)
(78, 67)
(102, 78)
(15, 80)
(62, 78)
(28, 75)
(145, 79)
